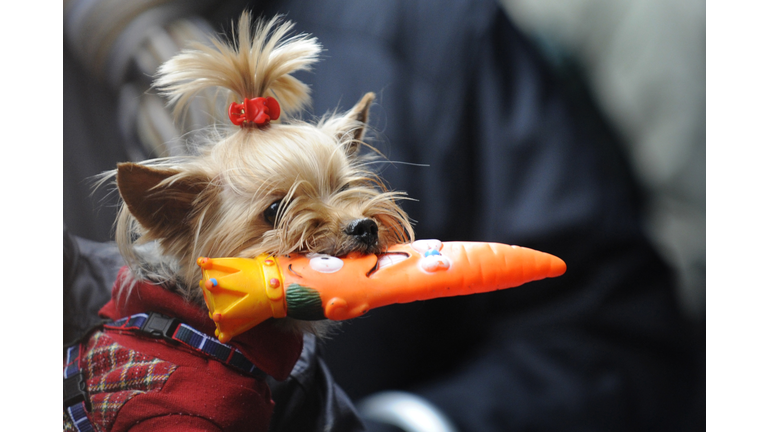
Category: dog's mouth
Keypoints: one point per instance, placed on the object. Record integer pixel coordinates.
(346, 248)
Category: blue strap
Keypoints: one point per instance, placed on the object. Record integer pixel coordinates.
(77, 413)
(174, 330)
(73, 376)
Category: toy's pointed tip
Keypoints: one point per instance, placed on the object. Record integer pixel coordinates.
(557, 267)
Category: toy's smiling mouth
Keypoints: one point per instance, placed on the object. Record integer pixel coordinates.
(387, 259)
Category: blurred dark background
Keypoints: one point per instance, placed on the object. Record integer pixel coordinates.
(576, 129)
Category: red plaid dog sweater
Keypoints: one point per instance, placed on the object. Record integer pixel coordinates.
(138, 383)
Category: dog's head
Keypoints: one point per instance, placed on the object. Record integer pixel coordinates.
(292, 186)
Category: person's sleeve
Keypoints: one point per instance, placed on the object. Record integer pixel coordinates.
(309, 400)
(600, 348)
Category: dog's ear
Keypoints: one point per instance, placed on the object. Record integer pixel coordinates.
(163, 208)
(350, 128)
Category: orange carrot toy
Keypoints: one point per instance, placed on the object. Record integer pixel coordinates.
(243, 292)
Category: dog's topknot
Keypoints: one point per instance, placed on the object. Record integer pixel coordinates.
(258, 63)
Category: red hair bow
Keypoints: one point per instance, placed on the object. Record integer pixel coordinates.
(257, 110)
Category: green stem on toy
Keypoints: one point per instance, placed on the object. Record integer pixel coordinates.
(304, 303)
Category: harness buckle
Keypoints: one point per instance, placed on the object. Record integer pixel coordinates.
(74, 391)
(160, 326)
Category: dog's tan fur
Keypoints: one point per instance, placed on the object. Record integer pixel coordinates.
(213, 203)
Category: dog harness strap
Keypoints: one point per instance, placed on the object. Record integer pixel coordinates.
(171, 329)
(76, 402)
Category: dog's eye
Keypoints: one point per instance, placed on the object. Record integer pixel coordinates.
(270, 214)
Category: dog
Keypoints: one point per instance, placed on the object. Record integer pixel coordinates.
(276, 189)
(268, 182)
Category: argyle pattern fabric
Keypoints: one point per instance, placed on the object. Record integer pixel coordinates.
(115, 374)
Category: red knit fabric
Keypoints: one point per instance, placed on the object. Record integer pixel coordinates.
(182, 389)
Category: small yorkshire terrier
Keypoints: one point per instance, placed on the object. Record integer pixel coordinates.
(270, 190)
(271, 183)
(263, 187)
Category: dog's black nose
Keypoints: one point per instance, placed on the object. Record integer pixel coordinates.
(364, 230)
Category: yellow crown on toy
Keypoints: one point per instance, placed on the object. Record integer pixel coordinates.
(241, 291)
